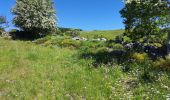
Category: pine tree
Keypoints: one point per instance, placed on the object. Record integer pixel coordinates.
(35, 16)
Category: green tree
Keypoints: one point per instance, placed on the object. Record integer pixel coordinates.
(35, 16)
(145, 20)
(2, 22)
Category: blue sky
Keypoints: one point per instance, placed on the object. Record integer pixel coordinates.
(84, 14)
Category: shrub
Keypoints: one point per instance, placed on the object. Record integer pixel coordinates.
(101, 49)
(72, 33)
(141, 69)
(140, 57)
(59, 32)
(116, 46)
(147, 74)
(48, 43)
(162, 64)
(42, 40)
(69, 43)
(119, 39)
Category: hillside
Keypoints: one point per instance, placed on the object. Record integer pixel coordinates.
(30, 71)
(51, 50)
(108, 34)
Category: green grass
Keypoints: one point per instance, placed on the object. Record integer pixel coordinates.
(29, 71)
(109, 34)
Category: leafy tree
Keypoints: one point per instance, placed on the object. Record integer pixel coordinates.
(35, 16)
(2, 22)
(145, 19)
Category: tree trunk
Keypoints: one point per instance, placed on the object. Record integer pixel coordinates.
(168, 45)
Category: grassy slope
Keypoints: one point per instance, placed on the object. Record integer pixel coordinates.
(109, 34)
(29, 71)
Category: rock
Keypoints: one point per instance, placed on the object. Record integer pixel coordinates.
(100, 39)
(103, 39)
(79, 38)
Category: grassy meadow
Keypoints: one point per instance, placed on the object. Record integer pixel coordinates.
(108, 34)
(28, 71)
(31, 71)
(45, 55)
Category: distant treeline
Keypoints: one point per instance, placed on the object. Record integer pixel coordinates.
(63, 29)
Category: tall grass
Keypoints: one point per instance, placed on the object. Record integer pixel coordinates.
(29, 71)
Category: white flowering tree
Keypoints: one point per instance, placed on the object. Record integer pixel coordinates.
(35, 16)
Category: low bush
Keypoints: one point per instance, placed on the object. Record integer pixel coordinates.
(162, 64)
(72, 33)
(42, 40)
(48, 43)
(119, 39)
(115, 46)
(69, 43)
(59, 32)
(139, 57)
(146, 74)
(141, 69)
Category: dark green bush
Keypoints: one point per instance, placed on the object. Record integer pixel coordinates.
(68, 31)
(24, 35)
(72, 33)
